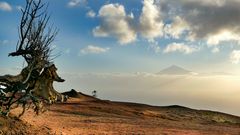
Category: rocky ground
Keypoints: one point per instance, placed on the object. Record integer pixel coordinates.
(84, 114)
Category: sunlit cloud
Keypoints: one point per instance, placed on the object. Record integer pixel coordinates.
(115, 23)
(151, 24)
(215, 50)
(235, 56)
(90, 49)
(91, 14)
(75, 3)
(154, 46)
(213, 21)
(4, 6)
(222, 36)
(180, 47)
(176, 28)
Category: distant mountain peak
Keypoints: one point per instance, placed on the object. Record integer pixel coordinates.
(175, 70)
(175, 66)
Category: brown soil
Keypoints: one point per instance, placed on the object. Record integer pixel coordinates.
(14, 126)
(84, 115)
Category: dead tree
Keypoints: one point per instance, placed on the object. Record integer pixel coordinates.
(34, 85)
(94, 93)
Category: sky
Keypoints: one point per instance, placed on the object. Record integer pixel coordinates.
(104, 44)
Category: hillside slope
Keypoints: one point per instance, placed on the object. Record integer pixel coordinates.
(89, 116)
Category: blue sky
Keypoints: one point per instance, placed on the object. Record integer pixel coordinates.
(139, 36)
(103, 44)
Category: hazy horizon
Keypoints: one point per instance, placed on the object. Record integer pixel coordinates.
(211, 92)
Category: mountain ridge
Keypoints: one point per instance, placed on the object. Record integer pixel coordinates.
(175, 70)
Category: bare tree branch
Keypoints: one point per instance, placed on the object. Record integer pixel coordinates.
(34, 45)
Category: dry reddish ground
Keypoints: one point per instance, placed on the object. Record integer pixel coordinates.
(87, 115)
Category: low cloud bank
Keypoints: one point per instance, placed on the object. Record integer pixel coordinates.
(213, 92)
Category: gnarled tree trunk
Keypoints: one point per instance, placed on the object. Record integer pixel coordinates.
(35, 82)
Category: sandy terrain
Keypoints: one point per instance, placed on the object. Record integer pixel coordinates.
(87, 115)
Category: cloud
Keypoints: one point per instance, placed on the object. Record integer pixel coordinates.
(162, 89)
(93, 50)
(151, 24)
(215, 50)
(115, 22)
(235, 56)
(4, 6)
(213, 21)
(191, 21)
(154, 46)
(75, 3)
(180, 47)
(222, 36)
(91, 14)
(176, 28)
